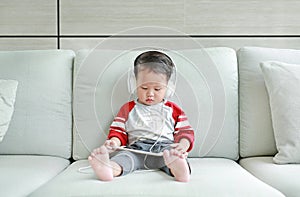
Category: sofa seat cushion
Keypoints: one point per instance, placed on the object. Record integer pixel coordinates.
(283, 177)
(210, 177)
(21, 175)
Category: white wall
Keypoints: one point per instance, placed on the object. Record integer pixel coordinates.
(75, 24)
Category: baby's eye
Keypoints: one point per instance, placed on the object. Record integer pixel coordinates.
(157, 89)
(144, 88)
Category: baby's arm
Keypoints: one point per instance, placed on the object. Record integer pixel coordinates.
(183, 131)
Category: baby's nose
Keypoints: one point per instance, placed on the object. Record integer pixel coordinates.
(150, 93)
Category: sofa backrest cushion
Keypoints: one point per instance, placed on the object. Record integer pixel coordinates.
(42, 119)
(206, 90)
(256, 132)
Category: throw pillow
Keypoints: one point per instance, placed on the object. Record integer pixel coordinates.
(8, 89)
(283, 86)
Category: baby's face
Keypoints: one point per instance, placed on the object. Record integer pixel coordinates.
(151, 87)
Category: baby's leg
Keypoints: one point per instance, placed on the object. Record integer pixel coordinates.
(103, 167)
(177, 165)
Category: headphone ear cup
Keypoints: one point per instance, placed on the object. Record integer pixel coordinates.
(170, 90)
(171, 84)
(131, 82)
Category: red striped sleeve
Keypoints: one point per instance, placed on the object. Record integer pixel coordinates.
(182, 119)
(117, 128)
(182, 127)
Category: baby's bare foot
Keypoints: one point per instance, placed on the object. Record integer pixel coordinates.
(177, 164)
(99, 161)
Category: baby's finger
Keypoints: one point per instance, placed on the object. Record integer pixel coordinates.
(174, 145)
(113, 143)
(109, 145)
(107, 142)
(179, 149)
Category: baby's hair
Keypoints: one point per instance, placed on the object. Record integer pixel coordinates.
(156, 62)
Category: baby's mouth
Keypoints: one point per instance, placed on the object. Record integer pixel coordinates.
(149, 100)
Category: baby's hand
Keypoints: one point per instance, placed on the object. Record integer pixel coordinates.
(111, 145)
(179, 150)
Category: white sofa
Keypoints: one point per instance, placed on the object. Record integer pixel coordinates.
(59, 117)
